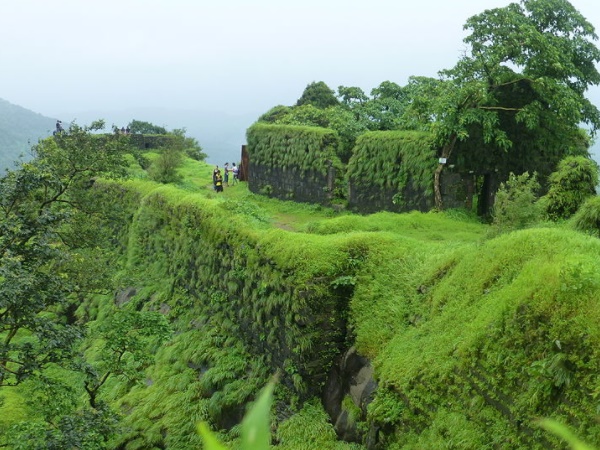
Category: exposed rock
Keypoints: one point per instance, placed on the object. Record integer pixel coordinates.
(124, 295)
(165, 309)
(351, 376)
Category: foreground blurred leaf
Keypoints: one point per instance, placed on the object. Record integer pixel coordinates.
(564, 433)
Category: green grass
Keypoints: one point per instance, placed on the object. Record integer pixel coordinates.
(429, 298)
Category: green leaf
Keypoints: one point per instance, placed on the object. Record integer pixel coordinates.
(256, 429)
(564, 433)
(210, 440)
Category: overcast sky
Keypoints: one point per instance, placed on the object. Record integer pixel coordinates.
(234, 56)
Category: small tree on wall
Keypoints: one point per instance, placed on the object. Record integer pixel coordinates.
(319, 95)
(141, 127)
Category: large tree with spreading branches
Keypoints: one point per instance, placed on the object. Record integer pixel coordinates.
(522, 81)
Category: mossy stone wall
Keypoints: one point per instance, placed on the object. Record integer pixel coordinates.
(274, 294)
(388, 170)
(293, 162)
(469, 343)
(150, 141)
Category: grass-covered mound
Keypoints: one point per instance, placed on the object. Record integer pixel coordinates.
(483, 340)
(249, 294)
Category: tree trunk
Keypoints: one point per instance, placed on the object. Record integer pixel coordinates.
(446, 152)
(436, 186)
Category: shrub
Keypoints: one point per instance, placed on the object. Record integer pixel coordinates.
(516, 203)
(587, 218)
(575, 180)
(164, 168)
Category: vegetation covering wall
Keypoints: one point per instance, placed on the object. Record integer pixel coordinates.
(470, 343)
(293, 162)
(471, 338)
(246, 304)
(388, 170)
(154, 141)
(484, 342)
(392, 170)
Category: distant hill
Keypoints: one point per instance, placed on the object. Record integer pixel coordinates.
(20, 129)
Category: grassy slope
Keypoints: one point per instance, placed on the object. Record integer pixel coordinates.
(454, 324)
(469, 320)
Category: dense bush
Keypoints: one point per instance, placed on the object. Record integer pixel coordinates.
(164, 168)
(587, 218)
(575, 180)
(515, 205)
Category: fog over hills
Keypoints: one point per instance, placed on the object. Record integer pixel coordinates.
(20, 128)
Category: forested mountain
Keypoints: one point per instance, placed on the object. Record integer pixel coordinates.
(20, 128)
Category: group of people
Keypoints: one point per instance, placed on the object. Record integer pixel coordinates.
(219, 180)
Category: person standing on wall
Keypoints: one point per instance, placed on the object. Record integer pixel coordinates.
(59, 127)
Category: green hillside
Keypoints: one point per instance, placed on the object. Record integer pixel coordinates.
(19, 130)
(132, 311)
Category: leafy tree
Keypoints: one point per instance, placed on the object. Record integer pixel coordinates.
(337, 118)
(37, 245)
(188, 145)
(352, 95)
(319, 95)
(391, 106)
(528, 68)
(60, 426)
(387, 106)
(120, 347)
(164, 168)
(573, 182)
(274, 114)
(141, 127)
(308, 115)
(126, 348)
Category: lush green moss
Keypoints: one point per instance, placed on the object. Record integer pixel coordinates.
(308, 430)
(291, 146)
(499, 333)
(393, 160)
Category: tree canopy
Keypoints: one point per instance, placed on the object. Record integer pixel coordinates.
(521, 85)
(56, 251)
(139, 126)
(319, 95)
(40, 246)
(514, 102)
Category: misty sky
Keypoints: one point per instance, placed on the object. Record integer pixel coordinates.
(65, 56)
